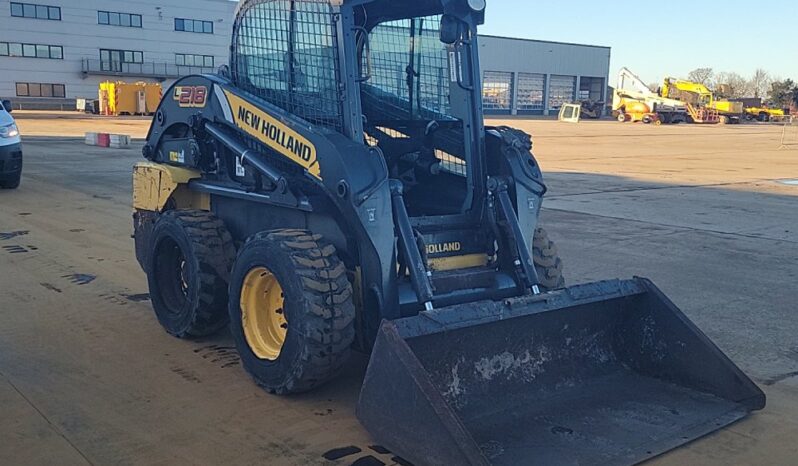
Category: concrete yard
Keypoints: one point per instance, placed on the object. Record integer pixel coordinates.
(88, 376)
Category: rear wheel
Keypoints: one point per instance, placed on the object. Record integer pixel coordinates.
(547, 260)
(291, 310)
(621, 117)
(190, 259)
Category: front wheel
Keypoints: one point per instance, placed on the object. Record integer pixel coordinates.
(548, 263)
(291, 310)
(11, 182)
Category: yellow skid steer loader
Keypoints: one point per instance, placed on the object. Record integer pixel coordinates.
(335, 187)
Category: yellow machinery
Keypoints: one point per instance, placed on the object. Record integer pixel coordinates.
(698, 96)
(263, 209)
(121, 98)
(638, 111)
(634, 101)
(764, 113)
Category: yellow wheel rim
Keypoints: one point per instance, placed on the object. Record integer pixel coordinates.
(262, 314)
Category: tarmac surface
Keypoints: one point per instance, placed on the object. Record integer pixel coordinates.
(88, 376)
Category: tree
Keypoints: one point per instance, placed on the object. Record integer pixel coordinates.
(760, 83)
(701, 75)
(730, 85)
(782, 93)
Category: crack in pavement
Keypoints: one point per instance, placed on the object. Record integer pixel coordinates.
(52, 426)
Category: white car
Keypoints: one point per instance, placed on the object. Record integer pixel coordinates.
(10, 149)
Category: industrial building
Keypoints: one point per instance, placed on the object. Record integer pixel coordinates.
(534, 77)
(54, 52)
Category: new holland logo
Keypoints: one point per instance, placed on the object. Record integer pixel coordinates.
(444, 248)
(274, 133)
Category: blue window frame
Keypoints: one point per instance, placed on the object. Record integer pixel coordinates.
(193, 25)
(113, 18)
(35, 11)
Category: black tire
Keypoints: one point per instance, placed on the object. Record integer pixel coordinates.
(547, 260)
(12, 183)
(318, 310)
(191, 253)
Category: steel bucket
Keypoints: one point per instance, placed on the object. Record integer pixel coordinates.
(605, 373)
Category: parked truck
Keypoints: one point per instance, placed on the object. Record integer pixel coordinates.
(699, 96)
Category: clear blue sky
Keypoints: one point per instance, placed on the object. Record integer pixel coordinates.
(664, 38)
(729, 35)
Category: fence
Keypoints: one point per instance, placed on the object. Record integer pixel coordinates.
(789, 135)
(156, 70)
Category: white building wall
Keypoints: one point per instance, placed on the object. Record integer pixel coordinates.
(81, 37)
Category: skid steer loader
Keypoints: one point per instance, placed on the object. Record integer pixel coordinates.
(336, 187)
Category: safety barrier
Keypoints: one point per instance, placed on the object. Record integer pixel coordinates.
(113, 141)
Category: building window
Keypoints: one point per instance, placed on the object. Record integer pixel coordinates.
(562, 90)
(497, 91)
(13, 49)
(111, 18)
(41, 90)
(530, 92)
(187, 59)
(31, 10)
(591, 89)
(113, 60)
(193, 25)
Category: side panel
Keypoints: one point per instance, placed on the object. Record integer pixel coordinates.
(155, 184)
(274, 134)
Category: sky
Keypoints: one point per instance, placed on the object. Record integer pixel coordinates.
(658, 39)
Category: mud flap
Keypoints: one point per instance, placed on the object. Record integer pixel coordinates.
(605, 373)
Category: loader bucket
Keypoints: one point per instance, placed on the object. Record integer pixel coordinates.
(604, 373)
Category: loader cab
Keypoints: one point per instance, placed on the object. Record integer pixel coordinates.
(400, 76)
(418, 78)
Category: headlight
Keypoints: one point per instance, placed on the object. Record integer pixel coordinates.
(9, 131)
(477, 5)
